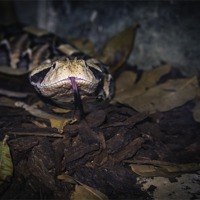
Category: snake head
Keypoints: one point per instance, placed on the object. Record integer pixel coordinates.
(53, 80)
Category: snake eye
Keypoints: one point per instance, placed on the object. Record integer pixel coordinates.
(53, 66)
(39, 77)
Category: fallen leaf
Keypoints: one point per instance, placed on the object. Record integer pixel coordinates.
(60, 123)
(85, 192)
(151, 77)
(55, 120)
(125, 87)
(117, 49)
(169, 170)
(66, 178)
(129, 122)
(84, 45)
(130, 149)
(125, 80)
(61, 110)
(166, 96)
(6, 165)
(126, 96)
(162, 97)
(82, 191)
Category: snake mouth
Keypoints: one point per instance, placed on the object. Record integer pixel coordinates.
(67, 81)
(38, 80)
(79, 81)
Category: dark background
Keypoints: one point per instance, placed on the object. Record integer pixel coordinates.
(169, 30)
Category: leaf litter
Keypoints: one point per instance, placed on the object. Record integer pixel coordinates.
(97, 151)
(55, 120)
(147, 96)
(82, 191)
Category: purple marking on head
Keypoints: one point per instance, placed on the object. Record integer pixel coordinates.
(77, 97)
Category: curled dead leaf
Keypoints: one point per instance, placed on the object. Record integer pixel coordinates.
(117, 49)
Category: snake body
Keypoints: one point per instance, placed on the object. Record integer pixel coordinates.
(53, 62)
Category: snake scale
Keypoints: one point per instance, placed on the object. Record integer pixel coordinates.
(59, 71)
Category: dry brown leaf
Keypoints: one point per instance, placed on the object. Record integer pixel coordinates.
(151, 77)
(82, 191)
(166, 96)
(125, 80)
(162, 97)
(66, 178)
(125, 87)
(196, 112)
(84, 45)
(117, 49)
(55, 120)
(59, 124)
(126, 96)
(61, 110)
(164, 170)
(85, 192)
